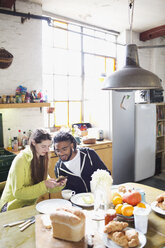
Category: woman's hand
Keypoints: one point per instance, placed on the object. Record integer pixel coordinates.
(52, 183)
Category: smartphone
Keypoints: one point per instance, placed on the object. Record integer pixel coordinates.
(60, 178)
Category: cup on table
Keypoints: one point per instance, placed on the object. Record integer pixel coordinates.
(141, 218)
(67, 193)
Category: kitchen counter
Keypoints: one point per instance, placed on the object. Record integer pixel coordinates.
(12, 237)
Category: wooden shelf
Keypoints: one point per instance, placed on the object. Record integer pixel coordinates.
(160, 151)
(160, 131)
(25, 105)
(161, 120)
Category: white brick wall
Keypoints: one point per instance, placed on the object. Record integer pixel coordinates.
(24, 41)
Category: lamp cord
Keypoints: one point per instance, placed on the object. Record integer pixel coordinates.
(131, 15)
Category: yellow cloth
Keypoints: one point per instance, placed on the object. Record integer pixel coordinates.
(19, 190)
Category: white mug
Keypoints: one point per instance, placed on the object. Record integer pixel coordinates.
(67, 193)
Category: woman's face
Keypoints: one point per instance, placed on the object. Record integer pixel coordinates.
(43, 147)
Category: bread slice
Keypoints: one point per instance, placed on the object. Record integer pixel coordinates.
(68, 224)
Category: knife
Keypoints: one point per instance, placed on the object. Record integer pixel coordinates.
(17, 222)
(26, 222)
(27, 225)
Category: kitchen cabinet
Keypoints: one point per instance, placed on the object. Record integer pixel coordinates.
(103, 149)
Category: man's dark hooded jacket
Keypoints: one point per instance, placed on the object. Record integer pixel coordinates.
(89, 162)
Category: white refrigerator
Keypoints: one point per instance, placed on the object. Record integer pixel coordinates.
(145, 140)
(133, 138)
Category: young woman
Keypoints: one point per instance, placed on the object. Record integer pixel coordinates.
(27, 178)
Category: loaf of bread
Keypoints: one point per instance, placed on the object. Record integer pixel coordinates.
(68, 224)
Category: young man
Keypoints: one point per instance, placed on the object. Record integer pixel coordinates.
(78, 164)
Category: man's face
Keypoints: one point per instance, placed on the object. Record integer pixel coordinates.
(63, 150)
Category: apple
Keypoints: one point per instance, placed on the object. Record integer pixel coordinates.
(132, 198)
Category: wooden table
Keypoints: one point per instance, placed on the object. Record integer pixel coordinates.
(11, 237)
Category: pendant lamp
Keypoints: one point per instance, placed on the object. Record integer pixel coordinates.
(132, 76)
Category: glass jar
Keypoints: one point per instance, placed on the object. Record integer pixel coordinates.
(4, 99)
(110, 215)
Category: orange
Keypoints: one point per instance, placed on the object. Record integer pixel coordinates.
(115, 194)
(118, 208)
(141, 205)
(127, 210)
(117, 200)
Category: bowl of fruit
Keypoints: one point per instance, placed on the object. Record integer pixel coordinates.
(125, 200)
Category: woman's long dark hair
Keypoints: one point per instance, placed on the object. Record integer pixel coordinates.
(39, 166)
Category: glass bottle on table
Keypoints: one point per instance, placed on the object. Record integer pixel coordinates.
(15, 144)
(9, 147)
(19, 139)
(24, 140)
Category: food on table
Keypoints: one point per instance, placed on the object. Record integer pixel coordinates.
(127, 210)
(113, 226)
(119, 238)
(132, 236)
(88, 199)
(125, 238)
(115, 194)
(68, 224)
(125, 199)
(132, 198)
(141, 205)
(161, 201)
(110, 215)
(118, 208)
(117, 200)
(122, 189)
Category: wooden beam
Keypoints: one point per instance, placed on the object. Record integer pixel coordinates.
(153, 33)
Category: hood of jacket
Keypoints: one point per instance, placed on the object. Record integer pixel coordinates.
(27, 153)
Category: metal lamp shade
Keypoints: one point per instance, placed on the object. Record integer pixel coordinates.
(132, 76)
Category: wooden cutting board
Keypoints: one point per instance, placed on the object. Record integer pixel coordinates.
(44, 236)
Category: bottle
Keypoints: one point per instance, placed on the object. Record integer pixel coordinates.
(29, 134)
(24, 140)
(9, 140)
(19, 139)
(15, 144)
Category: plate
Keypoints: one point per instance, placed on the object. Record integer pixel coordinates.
(49, 206)
(78, 199)
(157, 209)
(110, 244)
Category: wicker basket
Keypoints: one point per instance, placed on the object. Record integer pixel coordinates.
(6, 58)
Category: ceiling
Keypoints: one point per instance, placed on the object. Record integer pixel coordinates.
(110, 14)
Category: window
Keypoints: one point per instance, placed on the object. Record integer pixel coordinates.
(74, 57)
